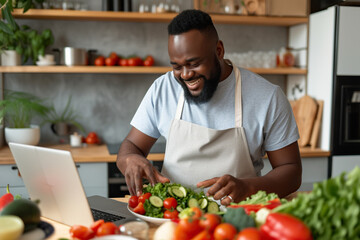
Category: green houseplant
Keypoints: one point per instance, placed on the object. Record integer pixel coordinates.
(61, 122)
(17, 110)
(27, 42)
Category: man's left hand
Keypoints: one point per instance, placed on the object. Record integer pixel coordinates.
(226, 188)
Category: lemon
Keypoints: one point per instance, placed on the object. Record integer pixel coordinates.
(11, 227)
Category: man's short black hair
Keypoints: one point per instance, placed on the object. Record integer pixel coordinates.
(191, 19)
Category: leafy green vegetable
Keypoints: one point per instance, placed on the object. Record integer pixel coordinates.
(261, 197)
(238, 218)
(162, 190)
(332, 209)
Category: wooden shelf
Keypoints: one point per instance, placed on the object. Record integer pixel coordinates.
(124, 70)
(151, 17)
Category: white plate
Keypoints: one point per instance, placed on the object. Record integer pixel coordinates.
(115, 237)
(156, 221)
(45, 63)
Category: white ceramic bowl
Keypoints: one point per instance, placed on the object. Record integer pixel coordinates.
(153, 220)
(29, 136)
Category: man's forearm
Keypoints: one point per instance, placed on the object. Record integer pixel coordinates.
(127, 149)
(282, 180)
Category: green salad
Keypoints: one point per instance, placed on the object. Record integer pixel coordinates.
(185, 198)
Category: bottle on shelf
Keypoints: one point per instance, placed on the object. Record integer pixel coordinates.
(144, 6)
(107, 5)
(127, 5)
(118, 5)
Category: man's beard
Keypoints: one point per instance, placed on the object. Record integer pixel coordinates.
(210, 85)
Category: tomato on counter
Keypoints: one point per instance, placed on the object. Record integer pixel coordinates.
(133, 201)
(114, 56)
(110, 61)
(92, 138)
(123, 62)
(81, 232)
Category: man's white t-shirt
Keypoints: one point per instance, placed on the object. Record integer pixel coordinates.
(267, 115)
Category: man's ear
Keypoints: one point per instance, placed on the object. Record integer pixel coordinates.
(220, 51)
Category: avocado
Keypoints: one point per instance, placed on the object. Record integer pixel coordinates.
(27, 210)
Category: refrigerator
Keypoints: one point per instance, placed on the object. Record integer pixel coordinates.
(334, 76)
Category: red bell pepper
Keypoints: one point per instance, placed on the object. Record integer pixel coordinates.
(6, 198)
(271, 204)
(285, 227)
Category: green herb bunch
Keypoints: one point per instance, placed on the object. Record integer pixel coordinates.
(19, 108)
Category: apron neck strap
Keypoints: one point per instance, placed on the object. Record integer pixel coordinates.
(238, 99)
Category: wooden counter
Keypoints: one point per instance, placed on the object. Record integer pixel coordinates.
(100, 153)
(88, 153)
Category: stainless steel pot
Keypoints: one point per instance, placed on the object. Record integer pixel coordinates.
(70, 56)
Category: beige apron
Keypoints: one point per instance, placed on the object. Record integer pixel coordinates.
(195, 153)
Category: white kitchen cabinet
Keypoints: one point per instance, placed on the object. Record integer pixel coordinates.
(94, 177)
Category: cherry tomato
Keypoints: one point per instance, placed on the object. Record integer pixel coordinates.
(149, 61)
(139, 209)
(143, 197)
(115, 57)
(250, 233)
(179, 234)
(123, 62)
(107, 228)
(110, 61)
(224, 231)
(209, 221)
(99, 61)
(171, 214)
(81, 232)
(190, 226)
(204, 235)
(92, 138)
(170, 203)
(133, 201)
(95, 225)
(196, 213)
(139, 61)
(92, 134)
(132, 62)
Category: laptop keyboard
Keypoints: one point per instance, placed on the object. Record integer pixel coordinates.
(108, 217)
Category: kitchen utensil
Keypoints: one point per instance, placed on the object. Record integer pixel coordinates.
(70, 56)
(316, 129)
(305, 110)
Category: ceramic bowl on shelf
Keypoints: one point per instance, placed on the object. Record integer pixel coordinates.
(43, 63)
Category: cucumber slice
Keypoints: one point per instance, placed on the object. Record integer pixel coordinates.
(179, 208)
(177, 192)
(193, 202)
(156, 201)
(183, 190)
(203, 202)
(170, 192)
(213, 207)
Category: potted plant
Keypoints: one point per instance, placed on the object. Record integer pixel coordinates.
(17, 110)
(23, 40)
(64, 123)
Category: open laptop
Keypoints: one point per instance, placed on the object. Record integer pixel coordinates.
(51, 176)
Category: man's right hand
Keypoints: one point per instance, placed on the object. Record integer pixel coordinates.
(139, 168)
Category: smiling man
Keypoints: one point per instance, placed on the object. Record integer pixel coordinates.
(218, 120)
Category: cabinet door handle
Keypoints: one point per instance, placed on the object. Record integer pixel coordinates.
(77, 166)
(14, 168)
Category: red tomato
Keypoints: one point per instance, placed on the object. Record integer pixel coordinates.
(81, 232)
(179, 234)
(250, 233)
(139, 61)
(92, 138)
(143, 197)
(139, 209)
(92, 134)
(224, 231)
(170, 203)
(99, 61)
(95, 225)
(196, 213)
(123, 62)
(115, 57)
(133, 201)
(149, 61)
(132, 62)
(204, 235)
(171, 214)
(107, 228)
(190, 226)
(110, 61)
(209, 221)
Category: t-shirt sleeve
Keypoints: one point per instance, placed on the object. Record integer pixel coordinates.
(281, 129)
(145, 117)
